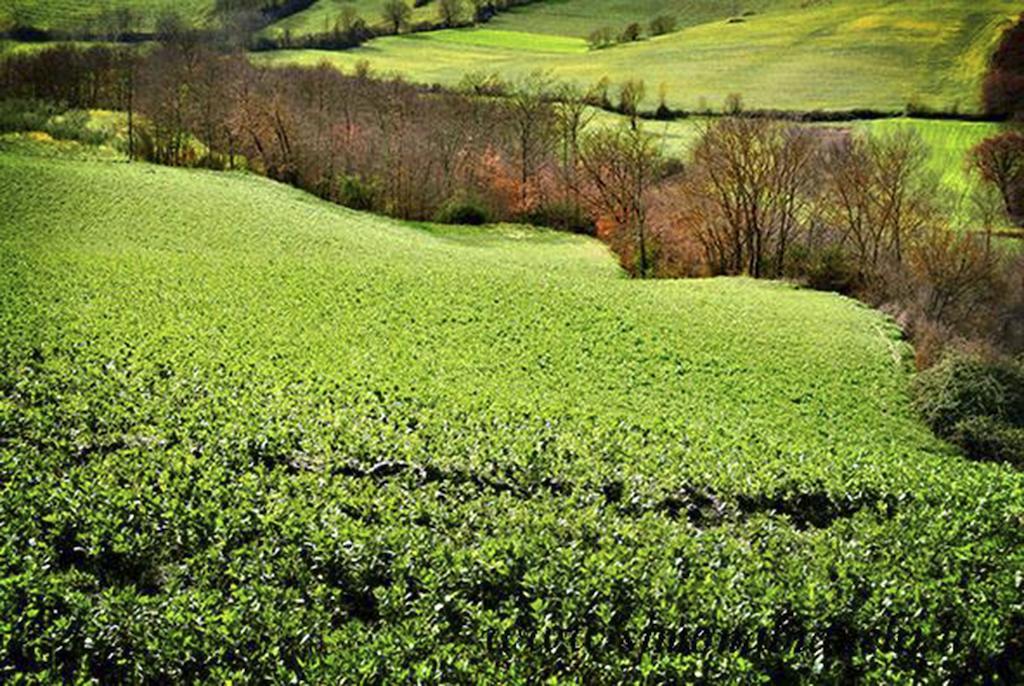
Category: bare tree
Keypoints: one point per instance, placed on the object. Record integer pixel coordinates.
(956, 274)
(621, 167)
(876, 195)
(573, 116)
(630, 96)
(747, 191)
(999, 160)
(128, 67)
(531, 119)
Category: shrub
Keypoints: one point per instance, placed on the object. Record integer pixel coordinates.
(35, 115)
(601, 38)
(976, 402)
(561, 215)
(74, 125)
(662, 24)
(631, 33)
(991, 439)
(824, 269)
(356, 193)
(462, 211)
(24, 115)
(483, 83)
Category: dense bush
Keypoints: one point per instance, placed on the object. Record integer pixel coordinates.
(1003, 89)
(662, 24)
(355, 193)
(561, 215)
(462, 211)
(25, 115)
(632, 32)
(601, 38)
(35, 115)
(822, 267)
(977, 403)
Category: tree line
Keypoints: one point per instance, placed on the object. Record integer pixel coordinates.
(829, 207)
(239, 22)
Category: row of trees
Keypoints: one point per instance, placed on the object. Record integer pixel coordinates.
(607, 36)
(397, 14)
(849, 212)
(127, 22)
(382, 145)
(765, 198)
(348, 29)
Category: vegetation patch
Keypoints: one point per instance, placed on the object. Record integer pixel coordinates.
(977, 403)
(333, 443)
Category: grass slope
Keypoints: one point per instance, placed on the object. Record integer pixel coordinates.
(247, 433)
(832, 55)
(579, 17)
(74, 14)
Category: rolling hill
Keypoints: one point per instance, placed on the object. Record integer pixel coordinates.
(249, 435)
(838, 54)
(71, 14)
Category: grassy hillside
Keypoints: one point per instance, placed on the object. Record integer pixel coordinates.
(73, 14)
(834, 55)
(579, 17)
(245, 433)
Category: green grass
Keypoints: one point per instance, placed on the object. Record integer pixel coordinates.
(74, 14)
(831, 55)
(948, 144)
(579, 17)
(245, 433)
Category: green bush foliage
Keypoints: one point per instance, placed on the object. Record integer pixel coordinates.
(249, 436)
(33, 115)
(976, 402)
(465, 211)
(564, 216)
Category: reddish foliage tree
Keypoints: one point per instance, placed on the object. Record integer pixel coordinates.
(1000, 161)
(1003, 89)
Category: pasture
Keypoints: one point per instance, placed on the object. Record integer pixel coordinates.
(72, 14)
(579, 17)
(786, 55)
(249, 435)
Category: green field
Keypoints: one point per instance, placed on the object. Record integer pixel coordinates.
(832, 55)
(948, 144)
(74, 14)
(247, 434)
(579, 17)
